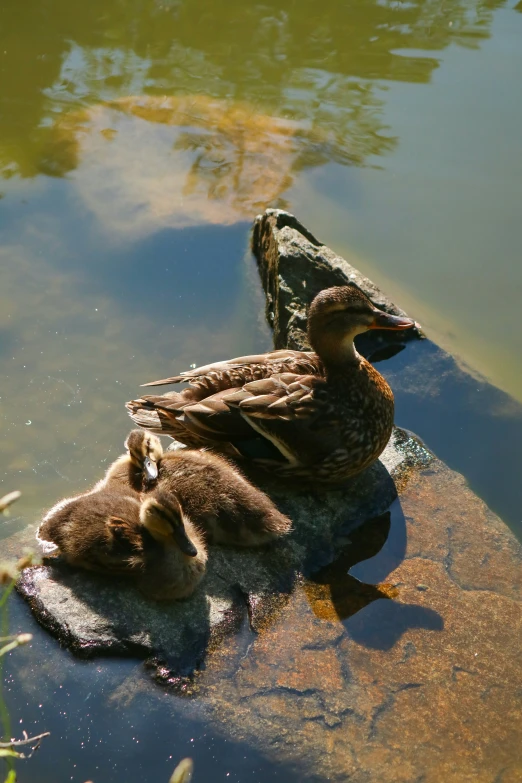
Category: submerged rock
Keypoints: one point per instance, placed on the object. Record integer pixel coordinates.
(421, 687)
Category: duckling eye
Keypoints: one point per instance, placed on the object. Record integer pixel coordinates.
(118, 529)
(171, 518)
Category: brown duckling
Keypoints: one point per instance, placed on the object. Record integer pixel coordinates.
(215, 496)
(139, 466)
(179, 561)
(118, 492)
(218, 498)
(321, 415)
(99, 531)
(109, 532)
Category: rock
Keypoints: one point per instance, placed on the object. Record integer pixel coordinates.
(294, 266)
(92, 615)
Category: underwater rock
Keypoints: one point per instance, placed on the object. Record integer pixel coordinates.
(422, 687)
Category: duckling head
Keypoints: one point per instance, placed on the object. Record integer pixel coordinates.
(162, 516)
(337, 315)
(145, 451)
(122, 546)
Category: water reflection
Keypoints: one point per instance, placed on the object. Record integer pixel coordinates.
(300, 63)
(149, 162)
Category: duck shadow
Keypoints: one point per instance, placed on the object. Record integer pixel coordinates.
(352, 590)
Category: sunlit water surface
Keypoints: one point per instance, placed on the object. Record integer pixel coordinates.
(137, 143)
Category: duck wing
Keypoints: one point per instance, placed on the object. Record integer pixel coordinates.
(189, 419)
(212, 378)
(201, 413)
(291, 411)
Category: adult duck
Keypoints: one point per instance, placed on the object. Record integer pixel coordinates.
(323, 415)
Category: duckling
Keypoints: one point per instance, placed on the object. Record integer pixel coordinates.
(178, 562)
(109, 532)
(214, 494)
(123, 482)
(98, 531)
(139, 466)
(220, 500)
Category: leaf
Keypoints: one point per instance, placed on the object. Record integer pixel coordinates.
(6, 501)
(183, 772)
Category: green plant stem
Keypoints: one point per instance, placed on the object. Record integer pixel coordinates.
(4, 712)
(3, 602)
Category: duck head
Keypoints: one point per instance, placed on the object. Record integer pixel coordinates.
(337, 315)
(162, 516)
(145, 451)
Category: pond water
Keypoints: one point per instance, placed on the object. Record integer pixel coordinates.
(137, 143)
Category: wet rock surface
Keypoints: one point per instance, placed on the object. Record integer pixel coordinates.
(380, 642)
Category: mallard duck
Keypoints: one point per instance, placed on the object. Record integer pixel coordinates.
(328, 412)
(112, 533)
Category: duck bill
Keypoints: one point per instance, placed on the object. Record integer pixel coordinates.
(385, 321)
(183, 541)
(151, 469)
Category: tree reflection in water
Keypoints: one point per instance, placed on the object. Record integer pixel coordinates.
(276, 85)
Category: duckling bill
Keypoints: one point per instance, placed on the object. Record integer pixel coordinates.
(179, 563)
(138, 467)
